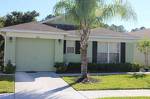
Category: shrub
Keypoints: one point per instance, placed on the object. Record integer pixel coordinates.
(9, 68)
(60, 67)
(1, 68)
(138, 75)
(95, 68)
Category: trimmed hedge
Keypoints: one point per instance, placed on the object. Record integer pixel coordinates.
(97, 68)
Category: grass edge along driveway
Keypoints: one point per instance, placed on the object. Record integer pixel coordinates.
(111, 82)
(7, 84)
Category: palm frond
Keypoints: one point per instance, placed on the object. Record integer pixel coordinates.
(121, 9)
(89, 12)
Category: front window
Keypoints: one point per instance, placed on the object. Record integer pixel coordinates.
(102, 55)
(114, 52)
(108, 52)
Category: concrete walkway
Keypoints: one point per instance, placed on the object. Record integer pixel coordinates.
(115, 93)
(7, 96)
(46, 85)
(43, 85)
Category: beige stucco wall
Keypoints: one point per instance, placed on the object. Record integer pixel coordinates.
(130, 52)
(133, 55)
(139, 56)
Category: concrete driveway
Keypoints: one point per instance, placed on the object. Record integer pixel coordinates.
(43, 85)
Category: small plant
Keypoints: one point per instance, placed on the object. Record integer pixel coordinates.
(9, 68)
(138, 75)
(61, 67)
(144, 47)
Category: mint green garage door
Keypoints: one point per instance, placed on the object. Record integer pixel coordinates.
(34, 54)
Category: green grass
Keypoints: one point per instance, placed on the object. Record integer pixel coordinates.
(126, 98)
(113, 82)
(6, 84)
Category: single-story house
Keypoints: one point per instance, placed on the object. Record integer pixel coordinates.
(35, 46)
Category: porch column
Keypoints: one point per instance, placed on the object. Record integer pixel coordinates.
(59, 43)
(10, 50)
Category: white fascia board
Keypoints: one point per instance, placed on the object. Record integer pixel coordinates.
(30, 31)
(34, 35)
(98, 38)
(111, 40)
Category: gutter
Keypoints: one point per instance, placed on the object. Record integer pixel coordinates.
(31, 31)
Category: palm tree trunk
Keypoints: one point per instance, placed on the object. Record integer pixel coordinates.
(84, 62)
(84, 59)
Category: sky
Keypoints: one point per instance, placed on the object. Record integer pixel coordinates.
(45, 7)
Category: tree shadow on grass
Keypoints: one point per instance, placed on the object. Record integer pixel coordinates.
(137, 75)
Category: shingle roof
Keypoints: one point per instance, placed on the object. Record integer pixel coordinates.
(141, 33)
(104, 32)
(32, 26)
(39, 27)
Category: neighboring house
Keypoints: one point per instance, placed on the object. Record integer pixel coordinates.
(139, 57)
(37, 47)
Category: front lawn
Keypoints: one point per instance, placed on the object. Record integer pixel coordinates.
(6, 84)
(113, 82)
(126, 98)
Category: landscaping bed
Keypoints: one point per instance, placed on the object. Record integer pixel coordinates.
(112, 82)
(126, 98)
(6, 84)
(97, 68)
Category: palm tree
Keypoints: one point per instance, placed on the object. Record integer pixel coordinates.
(86, 13)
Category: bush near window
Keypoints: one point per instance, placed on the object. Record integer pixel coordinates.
(2, 68)
(9, 68)
(60, 67)
(97, 68)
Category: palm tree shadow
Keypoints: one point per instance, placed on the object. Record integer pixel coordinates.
(50, 94)
(60, 89)
(137, 76)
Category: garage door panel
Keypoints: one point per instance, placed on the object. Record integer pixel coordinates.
(34, 54)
